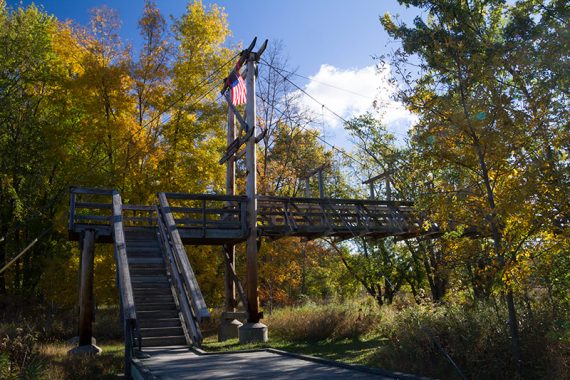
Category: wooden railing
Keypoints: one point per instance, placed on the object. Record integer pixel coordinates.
(91, 209)
(208, 218)
(189, 295)
(345, 218)
(221, 219)
(127, 299)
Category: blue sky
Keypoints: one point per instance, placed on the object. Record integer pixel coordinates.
(331, 41)
(345, 34)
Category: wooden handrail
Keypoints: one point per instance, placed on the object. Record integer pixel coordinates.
(208, 197)
(124, 280)
(88, 190)
(189, 318)
(198, 304)
(269, 199)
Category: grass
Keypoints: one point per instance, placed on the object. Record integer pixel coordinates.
(409, 338)
(60, 365)
(415, 339)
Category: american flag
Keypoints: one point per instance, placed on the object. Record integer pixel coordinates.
(237, 87)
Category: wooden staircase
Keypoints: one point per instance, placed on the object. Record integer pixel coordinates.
(157, 312)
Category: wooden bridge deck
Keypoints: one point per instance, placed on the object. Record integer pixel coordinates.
(204, 219)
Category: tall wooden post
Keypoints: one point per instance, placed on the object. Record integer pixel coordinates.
(229, 326)
(86, 303)
(321, 183)
(252, 331)
(371, 185)
(251, 190)
(230, 289)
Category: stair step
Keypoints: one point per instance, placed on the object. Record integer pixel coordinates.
(155, 341)
(153, 300)
(157, 314)
(159, 322)
(145, 265)
(142, 233)
(144, 286)
(145, 291)
(144, 260)
(160, 297)
(155, 306)
(143, 253)
(162, 331)
(149, 279)
(148, 271)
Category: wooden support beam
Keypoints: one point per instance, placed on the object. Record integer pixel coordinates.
(251, 189)
(376, 178)
(86, 290)
(321, 184)
(229, 250)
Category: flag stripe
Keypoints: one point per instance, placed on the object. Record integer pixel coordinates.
(239, 92)
(237, 87)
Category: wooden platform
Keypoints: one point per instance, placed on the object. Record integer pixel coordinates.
(183, 363)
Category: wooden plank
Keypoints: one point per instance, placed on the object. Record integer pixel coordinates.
(146, 219)
(93, 205)
(72, 201)
(269, 199)
(124, 277)
(86, 190)
(139, 208)
(210, 197)
(196, 210)
(379, 176)
(95, 218)
(230, 266)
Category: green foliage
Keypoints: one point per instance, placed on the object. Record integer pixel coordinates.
(487, 144)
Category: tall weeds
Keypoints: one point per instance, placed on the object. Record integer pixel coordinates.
(444, 341)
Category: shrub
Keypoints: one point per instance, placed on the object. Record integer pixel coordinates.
(18, 354)
(314, 323)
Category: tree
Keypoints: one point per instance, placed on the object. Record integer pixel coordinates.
(151, 74)
(474, 119)
(34, 143)
(195, 129)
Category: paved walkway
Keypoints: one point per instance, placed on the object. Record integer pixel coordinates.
(182, 363)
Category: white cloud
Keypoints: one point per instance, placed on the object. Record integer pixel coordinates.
(350, 93)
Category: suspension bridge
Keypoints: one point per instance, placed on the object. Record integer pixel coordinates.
(162, 306)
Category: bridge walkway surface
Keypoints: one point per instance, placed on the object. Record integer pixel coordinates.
(178, 362)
